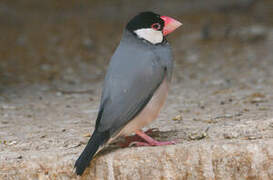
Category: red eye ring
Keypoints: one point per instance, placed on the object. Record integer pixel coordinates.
(156, 26)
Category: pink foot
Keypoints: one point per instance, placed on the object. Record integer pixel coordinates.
(149, 141)
(136, 139)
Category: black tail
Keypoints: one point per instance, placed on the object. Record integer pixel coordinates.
(97, 139)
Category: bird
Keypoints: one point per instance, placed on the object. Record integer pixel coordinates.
(135, 86)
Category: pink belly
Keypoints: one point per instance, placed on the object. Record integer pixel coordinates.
(149, 113)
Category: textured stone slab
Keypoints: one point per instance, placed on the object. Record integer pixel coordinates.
(198, 160)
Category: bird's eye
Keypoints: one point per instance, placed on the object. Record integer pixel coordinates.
(156, 26)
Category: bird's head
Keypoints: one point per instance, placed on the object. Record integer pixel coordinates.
(152, 27)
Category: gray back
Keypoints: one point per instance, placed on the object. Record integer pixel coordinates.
(136, 70)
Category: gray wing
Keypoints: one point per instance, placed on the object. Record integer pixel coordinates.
(129, 85)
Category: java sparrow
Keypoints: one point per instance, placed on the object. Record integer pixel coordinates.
(135, 85)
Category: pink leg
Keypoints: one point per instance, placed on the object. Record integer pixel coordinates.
(131, 140)
(150, 141)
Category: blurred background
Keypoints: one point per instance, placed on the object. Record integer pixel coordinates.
(71, 42)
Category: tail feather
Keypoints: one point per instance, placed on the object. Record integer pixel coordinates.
(97, 139)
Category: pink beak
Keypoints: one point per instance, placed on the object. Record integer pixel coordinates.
(170, 24)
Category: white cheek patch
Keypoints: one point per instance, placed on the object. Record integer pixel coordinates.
(150, 35)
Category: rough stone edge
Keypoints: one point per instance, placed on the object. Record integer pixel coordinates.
(234, 159)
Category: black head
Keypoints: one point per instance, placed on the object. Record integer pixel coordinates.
(146, 20)
(152, 27)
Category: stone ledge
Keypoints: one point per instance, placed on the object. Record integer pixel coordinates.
(198, 160)
(236, 159)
